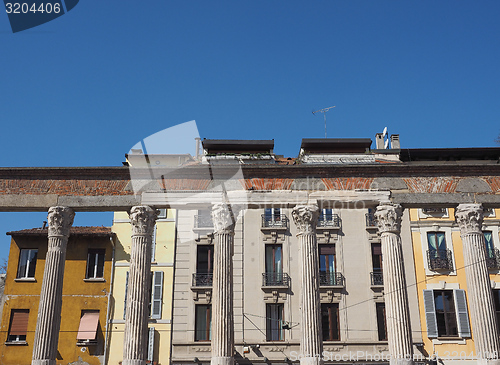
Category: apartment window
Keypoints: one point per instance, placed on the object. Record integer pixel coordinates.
(95, 263)
(162, 213)
(155, 295)
(274, 265)
(27, 263)
(438, 255)
(330, 322)
(496, 299)
(204, 266)
(327, 271)
(488, 241)
(274, 322)
(203, 323)
(273, 213)
(446, 313)
(377, 257)
(381, 322)
(18, 327)
(89, 321)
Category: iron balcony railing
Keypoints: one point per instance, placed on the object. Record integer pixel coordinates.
(275, 279)
(274, 221)
(440, 259)
(331, 279)
(377, 278)
(370, 220)
(203, 279)
(329, 221)
(493, 259)
(203, 221)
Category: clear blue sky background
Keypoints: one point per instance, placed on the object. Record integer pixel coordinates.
(83, 89)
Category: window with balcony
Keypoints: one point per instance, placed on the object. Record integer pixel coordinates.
(274, 322)
(492, 254)
(204, 266)
(27, 263)
(330, 321)
(203, 323)
(446, 313)
(377, 277)
(370, 219)
(381, 322)
(273, 218)
(328, 274)
(274, 275)
(18, 327)
(327, 219)
(439, 257)
(95, 263)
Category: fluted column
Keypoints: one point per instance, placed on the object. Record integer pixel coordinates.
(222, 292)
(48, 321)
(482, 307)
(311, 343)
(142, 219)
(388, 218)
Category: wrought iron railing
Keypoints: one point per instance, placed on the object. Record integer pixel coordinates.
(203, 221)
(377, 278)
(493, 259)
(440, 259)
(275, 279)
(370, 220)
(274, 221)
(203, 279)
(331, 279)
(329, 221)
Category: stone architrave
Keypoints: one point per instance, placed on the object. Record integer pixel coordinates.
(48, 321)
(311, 344)
(469, 217)
(222, 286)
(397, 312)
(142, 219)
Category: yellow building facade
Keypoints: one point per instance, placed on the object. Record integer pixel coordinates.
(162, 271)
(85, 304)
(441, 281)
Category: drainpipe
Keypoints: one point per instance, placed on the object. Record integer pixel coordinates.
(108, 322)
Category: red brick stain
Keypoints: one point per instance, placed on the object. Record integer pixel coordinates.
(432, 184)
(185, 184)
(493, 182)
(64, 187)
(267, 184)
(349, 183)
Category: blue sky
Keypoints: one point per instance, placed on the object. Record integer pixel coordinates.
(83, 89)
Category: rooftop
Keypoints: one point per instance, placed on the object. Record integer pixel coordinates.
(74, 231)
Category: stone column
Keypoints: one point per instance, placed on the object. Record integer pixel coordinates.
(135, 343)
(311, 342)
(222, 289)
(48, 321)
(482, 307)
(397, 313)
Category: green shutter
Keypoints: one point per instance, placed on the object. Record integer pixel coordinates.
(157, 294)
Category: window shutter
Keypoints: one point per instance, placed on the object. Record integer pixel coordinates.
(157, 294)
(462, 315)
(151, 344)
(19, 322)
(430, 314)
(125, 301)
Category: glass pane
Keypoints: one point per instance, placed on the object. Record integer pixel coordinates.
(202, 321)
(441, 241)
(488, 241)
(431, 241)
(32, 263)
(23, 263)
(205, 259)
(91, 264)
(100, 264)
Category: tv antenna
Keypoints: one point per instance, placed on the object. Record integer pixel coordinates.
(324, 114)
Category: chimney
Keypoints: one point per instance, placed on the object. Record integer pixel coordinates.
(395, 145)
(379, 141)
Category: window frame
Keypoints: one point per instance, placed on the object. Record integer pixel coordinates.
(432, 226)
(270, 329)
(26, 274)
(381, 321)
(208, 321)
(97, 252)
(331, 310)
(17, 338)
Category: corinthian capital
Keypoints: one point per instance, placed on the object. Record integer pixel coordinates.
(469, 218)
(388, 217)
(305, 218)
(143, 220)
(222, 218)
(60, 220)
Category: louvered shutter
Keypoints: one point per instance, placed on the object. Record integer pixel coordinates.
(430, 314)
(153, 245)
(151, 344)
(462, 315)
(125, 301)
(157, 294)
(19, 322)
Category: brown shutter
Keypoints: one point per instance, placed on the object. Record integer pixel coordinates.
(19, 322)
(327, 249)
(88, 326)
(377, 249)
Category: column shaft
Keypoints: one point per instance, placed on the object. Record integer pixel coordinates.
(395, 292)
(311, 344)
(48, 323)
(135, 341)
(481, 304)
(222, 290)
